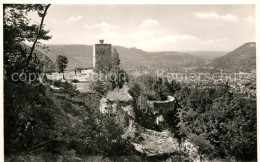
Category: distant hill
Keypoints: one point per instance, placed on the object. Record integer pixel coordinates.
(243, 58)
(78, 55)
(81, 56)
(207, 55)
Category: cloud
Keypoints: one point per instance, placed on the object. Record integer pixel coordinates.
(105, 27)
(214, 41)
(207, 15)
(250, 19)
(185, 37)
(73, 19)
(104, 30)
(213, 15)
(108, 35)
(230, 17)
(182, 42)
(169, 38)
(141, 34)
(149, 23)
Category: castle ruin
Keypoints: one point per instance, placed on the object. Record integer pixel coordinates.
(101, 56)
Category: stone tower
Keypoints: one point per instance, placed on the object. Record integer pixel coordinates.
(101, 56)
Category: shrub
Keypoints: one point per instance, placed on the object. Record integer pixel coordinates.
(74, 81)
(101, 87)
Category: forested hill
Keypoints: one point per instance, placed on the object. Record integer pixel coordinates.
(81, 56)
(243, 58)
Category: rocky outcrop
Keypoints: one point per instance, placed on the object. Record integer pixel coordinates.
(119, 103)
(154, 143)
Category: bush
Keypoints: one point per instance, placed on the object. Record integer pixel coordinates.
(30, 118)
(35, 123)
(221, 124)
(66, 86)
(101, 87)
(74, 81)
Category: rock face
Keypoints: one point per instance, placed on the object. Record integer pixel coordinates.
(156, 143)
(159, 143)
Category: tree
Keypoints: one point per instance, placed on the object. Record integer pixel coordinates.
(115, 61)
(118, 77)
(104, 135)
(62, 63)
(24, 103)
(19, 29)
(100, 87)
(220, 123)
(42, 15)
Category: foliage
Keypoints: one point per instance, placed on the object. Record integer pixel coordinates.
(118, 77)
(143, 89)
(94, 133)
(103, 58)
(39, 121)
(106, 61)
(221, 124)
(30, 117)
(115, 61)
(75, 81)
(100, 87)
(104, 136)
(18, 29)
(62, 63)
(113, 76)
(69, 88)
(26, 113)
(153, 88)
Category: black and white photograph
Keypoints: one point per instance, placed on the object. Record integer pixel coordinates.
(129, 82)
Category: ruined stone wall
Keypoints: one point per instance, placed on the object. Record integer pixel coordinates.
(158, 108)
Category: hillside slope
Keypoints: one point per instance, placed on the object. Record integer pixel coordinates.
(243, 58)
(48, 64)
(78, 55)
(207, 55)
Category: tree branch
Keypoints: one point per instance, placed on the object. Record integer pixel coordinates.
(37, 36)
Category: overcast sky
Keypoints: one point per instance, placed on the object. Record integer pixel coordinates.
(153, 27)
